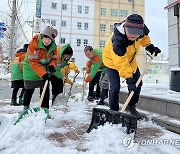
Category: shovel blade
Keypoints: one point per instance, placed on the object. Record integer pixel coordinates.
(37, 109)
(101, 116)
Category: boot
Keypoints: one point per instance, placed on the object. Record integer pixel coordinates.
(26, 107)
(14, 102)
(21, 99)
(53, 98)
(134, 112)
(90, 98)
(101, 102)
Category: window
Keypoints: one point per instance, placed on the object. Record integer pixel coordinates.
(131, 1)
(85, 42)
(78, 42)
(85, 26)
(103, 11)
(111, 28)
(86, 9)
(102, 44)
(48, 21)
(63, 40)
(64, 6)
(123, 13)
(63, 23)
(102, 27)
(53, 22)
(79, 25)
(43, 20)
(79, 9)
(53, 5)
(114, 12)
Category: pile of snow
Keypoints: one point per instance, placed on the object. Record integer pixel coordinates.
(31, 134)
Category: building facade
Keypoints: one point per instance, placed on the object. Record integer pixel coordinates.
(174, 43)
(174, 32)
(85, 22)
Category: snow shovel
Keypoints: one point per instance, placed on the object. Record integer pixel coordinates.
(83, 86)
(101, 116)
(46, 110)
(75, 76)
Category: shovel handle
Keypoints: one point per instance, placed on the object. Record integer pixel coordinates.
(75, 76)
(137, 83)
(43, 92)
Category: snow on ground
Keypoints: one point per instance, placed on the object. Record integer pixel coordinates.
(31, 134)
(4, 75)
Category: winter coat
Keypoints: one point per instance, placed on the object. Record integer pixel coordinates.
(37, 59)
(60, 61)
(103, 81)
(119, 52)
(17, 65)
(95, 64)
(66, 70)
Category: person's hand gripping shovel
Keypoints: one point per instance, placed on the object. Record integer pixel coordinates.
(83, 85)
(74, 79)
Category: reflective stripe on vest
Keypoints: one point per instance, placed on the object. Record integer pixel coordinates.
(32, 57)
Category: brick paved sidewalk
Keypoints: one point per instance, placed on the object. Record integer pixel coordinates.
(75, 134)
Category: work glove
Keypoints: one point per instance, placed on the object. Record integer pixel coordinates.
(131, 84)
(88, 79)
(46, 77)
(151, 48)
(51, 69)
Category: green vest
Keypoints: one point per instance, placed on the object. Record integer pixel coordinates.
(16, 73)
(28, 72)
(97, 66)
(62, 64)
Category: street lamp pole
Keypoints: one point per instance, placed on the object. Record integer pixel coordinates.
(13, 17)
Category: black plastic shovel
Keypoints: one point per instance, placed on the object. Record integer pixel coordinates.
(101, 116)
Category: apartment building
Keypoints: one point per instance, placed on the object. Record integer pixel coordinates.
(85, 22)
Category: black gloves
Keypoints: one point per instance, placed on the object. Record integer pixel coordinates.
(46, 77)
(51, 69)
(131, 85)
(151, 48)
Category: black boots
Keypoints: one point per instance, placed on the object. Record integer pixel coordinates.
(53, 98)
(101, 102)
(134, 112)
(25, 108)
(21, 100)
(90, 98)
(14, 102)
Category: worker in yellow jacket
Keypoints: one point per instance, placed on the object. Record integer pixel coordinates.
(119, 58)
(66, 70)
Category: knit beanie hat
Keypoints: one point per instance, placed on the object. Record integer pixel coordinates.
(50, 32)
(134, 24)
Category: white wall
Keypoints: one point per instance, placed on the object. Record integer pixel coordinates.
(71, 33)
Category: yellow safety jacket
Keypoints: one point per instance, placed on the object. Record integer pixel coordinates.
(119, 52)
(66, 70)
